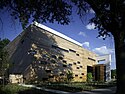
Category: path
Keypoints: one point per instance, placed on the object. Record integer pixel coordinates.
(110, 90)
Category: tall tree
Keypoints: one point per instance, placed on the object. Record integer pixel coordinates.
(3, 56)
(109, 19)
(113, 74)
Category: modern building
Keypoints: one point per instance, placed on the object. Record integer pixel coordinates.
(40, 53)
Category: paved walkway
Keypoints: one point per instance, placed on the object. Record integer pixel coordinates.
(110, 90)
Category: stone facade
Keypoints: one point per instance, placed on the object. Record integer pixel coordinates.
(40, 55)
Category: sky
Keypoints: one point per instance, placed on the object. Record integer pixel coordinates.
(78, 30)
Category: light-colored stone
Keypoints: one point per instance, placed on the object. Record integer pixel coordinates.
(31, 56)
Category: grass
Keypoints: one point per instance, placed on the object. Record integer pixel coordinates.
(76, 87)
(16, 89)
(69, 87)
(11, 89)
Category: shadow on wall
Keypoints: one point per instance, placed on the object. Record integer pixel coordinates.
(38, 57)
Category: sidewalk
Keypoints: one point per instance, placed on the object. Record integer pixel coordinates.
(110, 90)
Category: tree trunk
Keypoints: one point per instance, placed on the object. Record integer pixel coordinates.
(120, 62)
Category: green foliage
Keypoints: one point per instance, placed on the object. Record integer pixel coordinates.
(89, 77)
(70, 87)
(3, 43)
(38, 10)
(108, 14)
(12, 89)
(76, 86)
(69, 76)
(3, 56)
(113, 73)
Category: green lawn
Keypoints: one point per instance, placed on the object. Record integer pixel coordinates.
(76, 87)
(69, 87)
(16, 89)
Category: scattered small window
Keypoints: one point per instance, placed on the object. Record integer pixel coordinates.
(48, 71)
(32, 52)
(80, 66)
(60, 57)
(77, 54)
(70, 65)
(80, 77)
(43, 62)
(54, 56)
(82, 73)
(78, 62)
(61, 74)
(53, 46)
(72, 50)
(56, 47)
(51, 76)
(64, 65)
(76, 75)
(77, 67)
(44, 55)
(44, 79)
(64, 61)
(74, 63)
(22, 41)
(52, 61)
(91, 59)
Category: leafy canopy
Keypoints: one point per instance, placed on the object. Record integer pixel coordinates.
(109, 14)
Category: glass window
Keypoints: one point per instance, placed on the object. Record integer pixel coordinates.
(70, 65)
(48, 71)
(76, 75)
(72, 50)
(74, 63)
(54, 56)
(80, 66)
(77, 54)
(77, 67)
(64, 65)
(91, 59)
(82, 73)
(64, 61)
(60, 57)
(78, 62)
(80, 77)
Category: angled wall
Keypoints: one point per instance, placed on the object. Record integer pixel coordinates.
(39, 54)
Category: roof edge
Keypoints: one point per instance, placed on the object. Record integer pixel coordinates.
(56, 33)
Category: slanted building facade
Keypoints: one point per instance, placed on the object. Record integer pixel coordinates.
(40, 53)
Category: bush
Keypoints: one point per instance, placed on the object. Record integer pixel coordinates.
(89, 77)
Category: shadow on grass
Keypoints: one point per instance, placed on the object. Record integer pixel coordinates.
(34, 91)
(25, 91)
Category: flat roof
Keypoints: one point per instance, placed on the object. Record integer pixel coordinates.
(56, 33)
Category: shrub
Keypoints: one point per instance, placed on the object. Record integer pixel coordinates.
(89, 77)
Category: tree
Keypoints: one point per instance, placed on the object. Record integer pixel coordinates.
(4, 65)
(109, 19)
(69, 76)
(113, 74)
(3, 56)
(89, 77)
